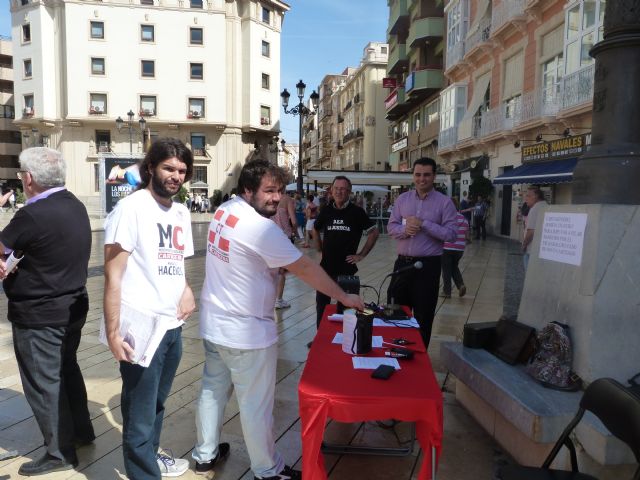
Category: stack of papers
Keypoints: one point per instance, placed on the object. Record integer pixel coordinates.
(411, 322)
(371, 363)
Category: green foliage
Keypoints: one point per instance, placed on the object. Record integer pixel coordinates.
(182, 194)
(20, 198)
(480, 186)
(216, 198)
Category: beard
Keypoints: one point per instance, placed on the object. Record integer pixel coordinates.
(266, 210)
(164, 190)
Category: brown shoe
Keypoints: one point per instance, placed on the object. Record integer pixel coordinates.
(462, 291)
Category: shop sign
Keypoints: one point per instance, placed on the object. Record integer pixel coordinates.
(568, 147)
(399, 145)
(389, 83)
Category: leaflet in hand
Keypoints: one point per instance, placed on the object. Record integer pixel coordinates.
(141, 331)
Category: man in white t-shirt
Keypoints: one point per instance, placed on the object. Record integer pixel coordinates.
(244, 252)
(534, 199)
(147, 237)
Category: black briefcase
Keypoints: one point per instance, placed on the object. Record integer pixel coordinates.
(479, 335)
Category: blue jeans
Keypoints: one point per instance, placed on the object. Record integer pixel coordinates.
(252, 373)
(525, 261)
(144, 391)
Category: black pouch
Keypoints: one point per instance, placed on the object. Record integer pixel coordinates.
(479, 335)
(383, 372)
(514, 341)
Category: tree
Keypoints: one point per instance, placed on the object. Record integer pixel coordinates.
(480, 186)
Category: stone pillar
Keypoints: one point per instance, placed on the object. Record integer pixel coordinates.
(610, 172)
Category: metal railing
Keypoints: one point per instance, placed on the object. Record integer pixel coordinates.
(481, 35)
(506, 11)
(492, 121)
(578, 87)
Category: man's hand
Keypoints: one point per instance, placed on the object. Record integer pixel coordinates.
(187, 304)
(352, 301)
(413, 226)
(3, 270)
(354, 258)
(121, 350)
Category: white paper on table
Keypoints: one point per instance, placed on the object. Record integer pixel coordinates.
(376, 340)
(411, 322)
(336, 317)
(141, 331)
(371, 363)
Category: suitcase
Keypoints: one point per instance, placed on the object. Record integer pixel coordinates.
(479, 335)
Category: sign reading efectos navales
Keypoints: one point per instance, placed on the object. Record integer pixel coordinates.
(556, 149)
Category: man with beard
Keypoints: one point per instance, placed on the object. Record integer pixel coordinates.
(244, 252)
(147, 237)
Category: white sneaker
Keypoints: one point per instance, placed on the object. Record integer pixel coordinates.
(281, 303)
(170, 466)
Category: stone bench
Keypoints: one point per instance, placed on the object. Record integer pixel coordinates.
(522, 415)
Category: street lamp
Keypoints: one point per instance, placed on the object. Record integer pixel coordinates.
(143, 125)
(302, 111)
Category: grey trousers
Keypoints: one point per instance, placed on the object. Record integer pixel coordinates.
(53, 385)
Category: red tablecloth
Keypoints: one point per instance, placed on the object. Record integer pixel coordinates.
(331, 388)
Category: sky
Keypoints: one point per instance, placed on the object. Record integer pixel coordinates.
(319, 37)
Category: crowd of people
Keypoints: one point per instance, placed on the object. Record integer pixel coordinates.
(250, 250)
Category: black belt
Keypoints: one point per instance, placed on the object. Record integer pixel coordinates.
(406, 258)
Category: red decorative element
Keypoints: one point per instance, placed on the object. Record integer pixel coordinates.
(231, 221)
(212, 237)
(219, 214)
(223, 244)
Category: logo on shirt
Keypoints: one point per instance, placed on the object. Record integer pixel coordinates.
(338, 225)
(170, 250)
(217, 244)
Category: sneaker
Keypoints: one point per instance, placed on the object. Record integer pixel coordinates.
(287, 473)
(281, 303)
(171, 466)
(205, 467)
(463, 291)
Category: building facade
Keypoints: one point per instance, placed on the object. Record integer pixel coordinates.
(10, 137)
(206, 72)
(519, 95)
(414, 79)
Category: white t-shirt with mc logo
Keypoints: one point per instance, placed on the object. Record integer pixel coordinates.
(244, 252)
(159, 239)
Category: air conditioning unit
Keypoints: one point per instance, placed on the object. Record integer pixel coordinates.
(27, 111)
(148, 112)
(194, 114)
(95, 110)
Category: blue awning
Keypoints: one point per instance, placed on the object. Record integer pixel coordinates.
(555, 171)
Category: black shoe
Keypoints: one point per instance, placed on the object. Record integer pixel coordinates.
(83, 441)
(205, 467)
(287, 473)
(45, 464)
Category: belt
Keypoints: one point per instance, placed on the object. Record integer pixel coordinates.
(406, 258)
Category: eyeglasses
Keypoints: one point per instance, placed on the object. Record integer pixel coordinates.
(20, 173)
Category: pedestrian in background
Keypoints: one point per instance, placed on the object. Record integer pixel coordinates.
(48, 305)
(300, 216)
(451, 255)
(534, 198)
(480, 213)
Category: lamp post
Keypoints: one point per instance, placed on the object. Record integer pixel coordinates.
(302, 111)
(143, 125)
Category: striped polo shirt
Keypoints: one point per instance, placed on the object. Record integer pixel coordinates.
(463, 228)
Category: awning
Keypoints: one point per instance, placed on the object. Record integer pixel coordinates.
(555, 171)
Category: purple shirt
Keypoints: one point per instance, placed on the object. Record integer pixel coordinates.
(44, 194)
(439, 224)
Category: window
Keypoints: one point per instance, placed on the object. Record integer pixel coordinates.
(196, 71)
(199, 173)
(26, 33)
(148, 106)
(97, 30)
(512, 106)
(196, 108)
(432, 112)
(97, 66)
(198, 146)
(195, 3)
(103, 140)
(147, 33)
(7, 111)
(266, 49)
(551, 80)
(97, 103)
(265, 115)
(415, 122)
(266, 15)
(583, 28)
(96, 177)
(146, 2)
(148, 68)
(265, 81)
(28, 104)
(457, 19)
(196, 36)
(383, 50)
(28, 71)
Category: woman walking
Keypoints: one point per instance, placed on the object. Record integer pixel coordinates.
(451, 256)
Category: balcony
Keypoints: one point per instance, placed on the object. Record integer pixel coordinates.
(96, 111)
(578, 88)
(480, 37)
(491, 122)
(199, 152)
(265, 121)
(454, 54)
(424, 80)
(425, 28)
(398, 16)
(194, 114)
(28, 112)
(537, 104)
(398, 59)
(396, 102)
(507, 12)
(147, 112)
(448, 138)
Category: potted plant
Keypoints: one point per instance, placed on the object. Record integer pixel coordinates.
(20, 198)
